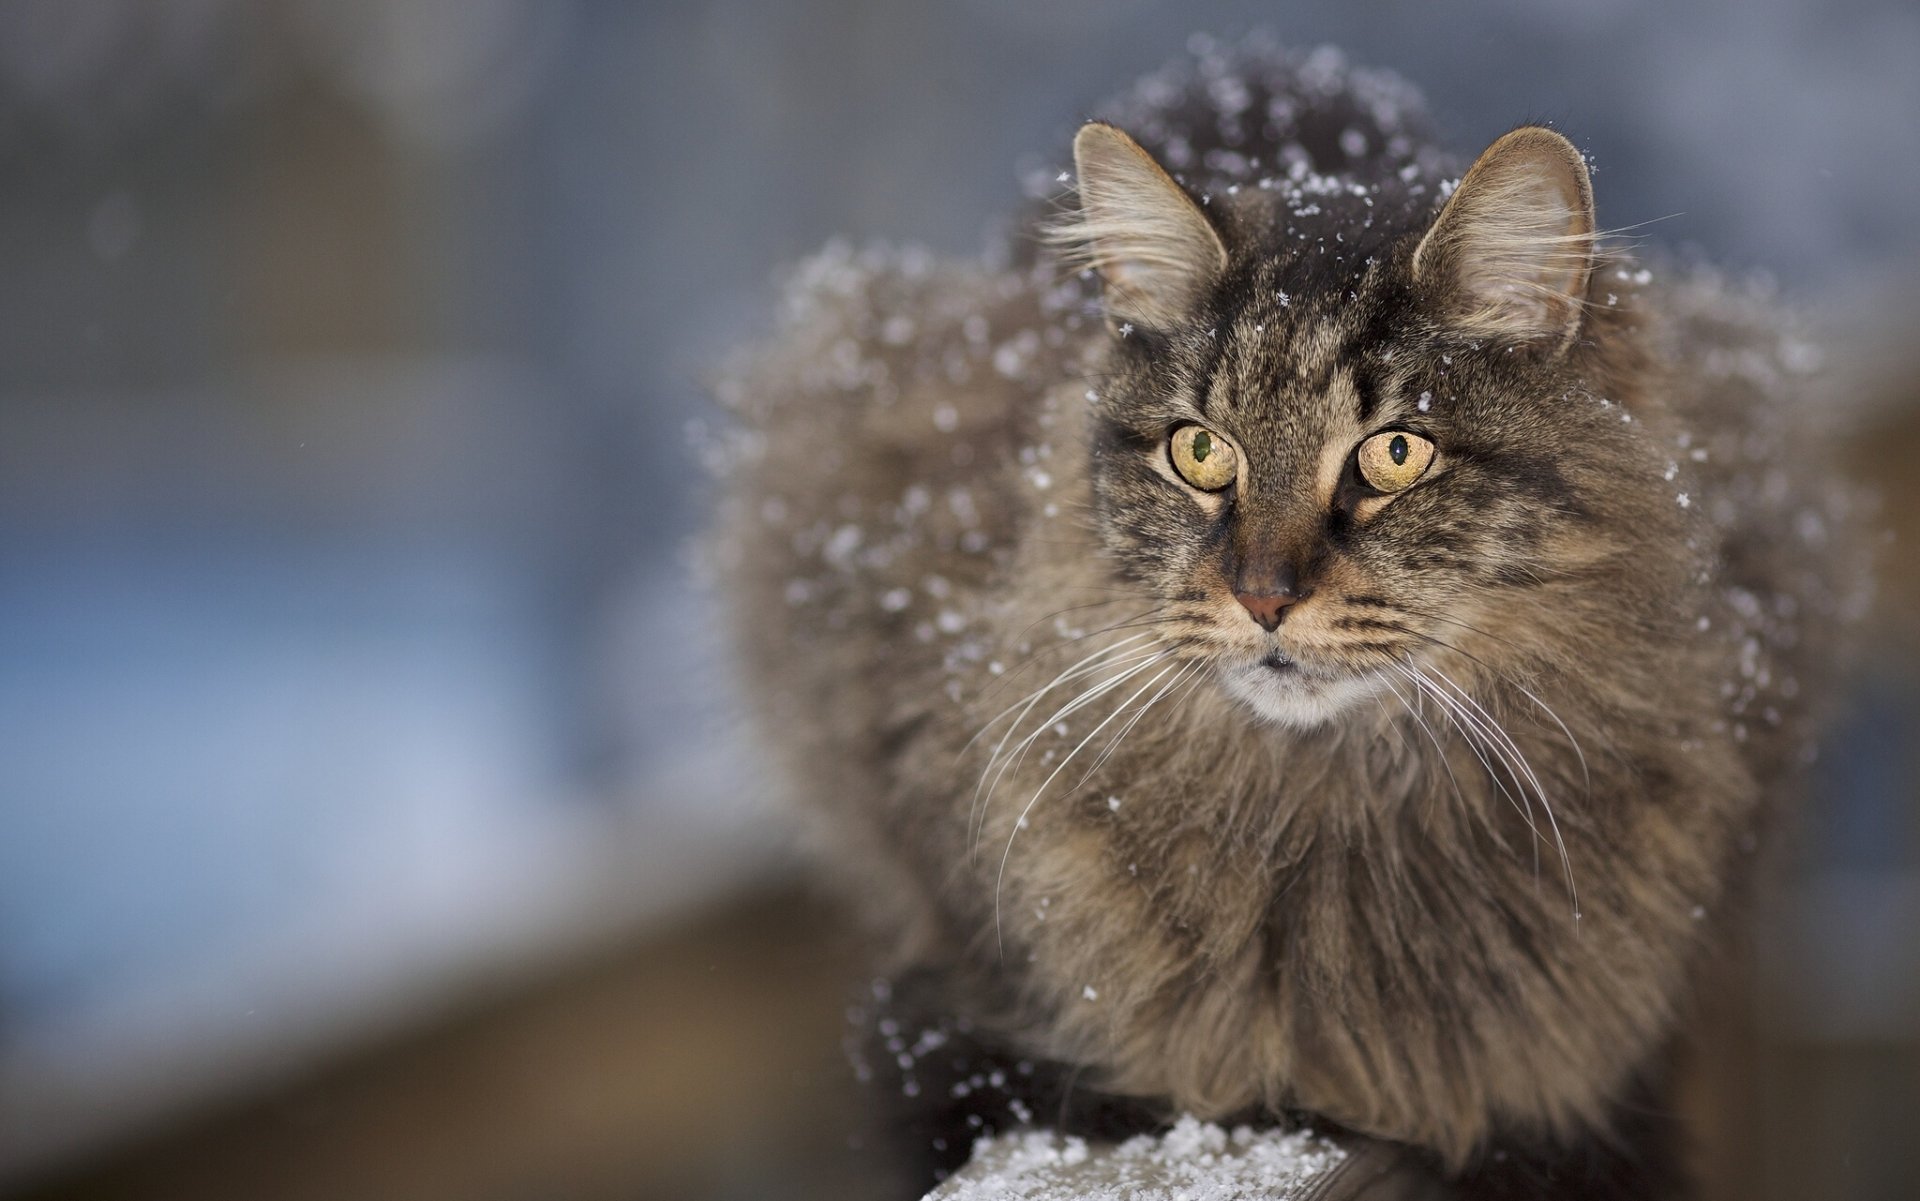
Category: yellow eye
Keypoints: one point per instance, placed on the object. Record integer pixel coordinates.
(1203, 458)
(1390, 462)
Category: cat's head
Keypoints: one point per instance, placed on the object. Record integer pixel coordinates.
(1346, 426)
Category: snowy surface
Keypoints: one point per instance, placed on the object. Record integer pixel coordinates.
(1194, 1161)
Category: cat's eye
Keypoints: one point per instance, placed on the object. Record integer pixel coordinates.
(1392, 461)
(1203, 458)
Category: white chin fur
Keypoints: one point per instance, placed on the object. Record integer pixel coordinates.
(1292, 698)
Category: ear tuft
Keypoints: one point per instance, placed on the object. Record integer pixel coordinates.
(1152, 246)
(1513, 248)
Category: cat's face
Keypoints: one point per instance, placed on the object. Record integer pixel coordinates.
(1321, 468)
(1356, 498)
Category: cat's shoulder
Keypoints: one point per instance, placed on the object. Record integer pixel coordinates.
(908, 342)
(883, 436)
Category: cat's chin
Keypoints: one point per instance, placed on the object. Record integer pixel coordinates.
(1282, 693)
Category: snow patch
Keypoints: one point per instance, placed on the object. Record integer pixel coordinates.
(1194, 1161)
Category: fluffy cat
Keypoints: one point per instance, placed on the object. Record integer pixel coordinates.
(1323, 643)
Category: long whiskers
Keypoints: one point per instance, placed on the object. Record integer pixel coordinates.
(1431, 737)
(1178, 671)
(1479, 742)
(1484, 732)
(1186, 674)
(1505, 678)
(1123, 654)
(1150, 618)
(1006, 758)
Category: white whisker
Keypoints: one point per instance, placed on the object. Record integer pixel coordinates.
(1431, 737)
(1106, 657)
(1053, 775)
(1508, 750)
(1113, 744)
(1479, 742)
(1015, 754)
(1033, 697)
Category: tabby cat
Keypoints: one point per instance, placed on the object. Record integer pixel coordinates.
(1318, 644)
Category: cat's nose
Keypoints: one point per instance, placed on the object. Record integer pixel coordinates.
(1265, 583)
(1268, 610)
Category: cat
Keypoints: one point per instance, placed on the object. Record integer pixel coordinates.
(1320, 640)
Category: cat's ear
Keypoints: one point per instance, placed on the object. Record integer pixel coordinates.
(1153, 247)
(1510, 253)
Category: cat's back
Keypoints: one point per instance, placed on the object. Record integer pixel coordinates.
(889, 438)
(1752, 451)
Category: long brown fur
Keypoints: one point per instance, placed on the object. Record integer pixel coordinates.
(1563, 677)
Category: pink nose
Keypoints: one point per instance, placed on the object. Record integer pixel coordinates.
(1267, 610)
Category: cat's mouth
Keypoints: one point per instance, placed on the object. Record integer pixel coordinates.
(1278, 688)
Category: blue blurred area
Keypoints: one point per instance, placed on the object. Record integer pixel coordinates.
(1870, 766)
(346, 353)
(208, 739)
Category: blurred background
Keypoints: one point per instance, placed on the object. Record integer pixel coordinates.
(373, 821)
